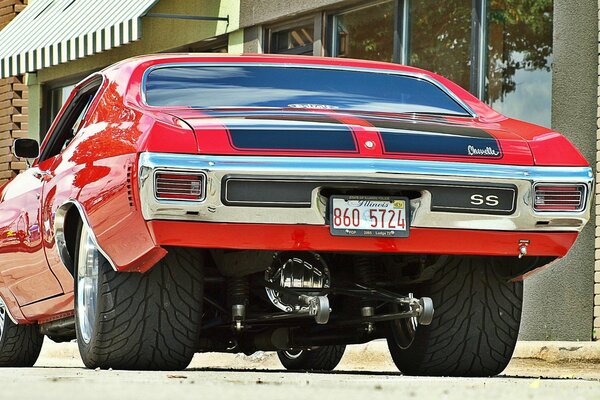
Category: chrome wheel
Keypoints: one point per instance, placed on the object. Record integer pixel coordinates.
(87, 284)
(292, 354)
(2, 318)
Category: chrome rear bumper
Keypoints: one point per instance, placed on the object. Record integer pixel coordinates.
(384, 172)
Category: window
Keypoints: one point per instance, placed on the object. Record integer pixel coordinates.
(70, 122)
(366, 32)
(57, 97)
(518, 82)
(296, 87)
(440, 38)
(296, 40)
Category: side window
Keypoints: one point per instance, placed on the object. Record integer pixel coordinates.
(70, 122)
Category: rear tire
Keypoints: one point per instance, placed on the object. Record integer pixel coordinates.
(20, 345)
(475, 326)
(147, 321)
(324, 358)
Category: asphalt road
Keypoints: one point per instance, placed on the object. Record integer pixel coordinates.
(261, 377)
(66, 383)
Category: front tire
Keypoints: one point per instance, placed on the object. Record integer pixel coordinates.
(147, 321)
(20, 345)
(324, 358)
(475, 326)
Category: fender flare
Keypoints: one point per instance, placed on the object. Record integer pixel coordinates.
(59, 233)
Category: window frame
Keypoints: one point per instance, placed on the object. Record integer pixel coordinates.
(46, 118)
(398, 48)
(401, 43)
(316, 47)
(55, 137)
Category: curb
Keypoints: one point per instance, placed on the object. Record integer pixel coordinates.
(370, 356)
(558, 352)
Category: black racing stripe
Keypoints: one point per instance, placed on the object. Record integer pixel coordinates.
(439, 144)
(305, 138)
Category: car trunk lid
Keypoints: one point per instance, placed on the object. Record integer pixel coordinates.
(337, 134)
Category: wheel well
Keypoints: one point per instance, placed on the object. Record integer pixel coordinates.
(69, 221)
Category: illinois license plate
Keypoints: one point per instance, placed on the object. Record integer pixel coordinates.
(369, 216)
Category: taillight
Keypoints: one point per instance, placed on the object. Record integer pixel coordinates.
(554, 197)
(179, 186)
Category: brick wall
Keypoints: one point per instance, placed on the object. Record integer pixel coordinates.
(597, 202)
(13, 104)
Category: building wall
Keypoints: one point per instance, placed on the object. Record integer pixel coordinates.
(13, 104)
(254, 12)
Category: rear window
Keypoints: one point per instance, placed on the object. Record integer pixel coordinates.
(295, 87)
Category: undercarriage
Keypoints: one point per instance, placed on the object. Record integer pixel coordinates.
(299, 300)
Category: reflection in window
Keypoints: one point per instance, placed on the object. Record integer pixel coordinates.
(297, 40)
(440, 38)
(519, 78)
(366, 33)
(287, 87)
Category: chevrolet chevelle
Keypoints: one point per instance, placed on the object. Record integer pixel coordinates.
(213, 203)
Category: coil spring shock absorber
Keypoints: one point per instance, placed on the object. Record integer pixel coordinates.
(238, 292)
(365, 271)
(366, 274)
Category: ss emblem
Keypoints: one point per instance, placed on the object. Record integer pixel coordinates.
(479, 199)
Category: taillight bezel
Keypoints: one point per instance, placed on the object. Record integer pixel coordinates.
(582, 187)
(201, 175)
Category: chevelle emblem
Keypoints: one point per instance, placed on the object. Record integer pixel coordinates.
(315, 106)
(488, 151)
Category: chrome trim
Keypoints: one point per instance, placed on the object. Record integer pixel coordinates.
(200, 174)
(3, 305)
(416, 75)
(59, 234)
(583, 202)
(377, 171)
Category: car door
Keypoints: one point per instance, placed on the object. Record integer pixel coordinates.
(60, 171)
(24, 269)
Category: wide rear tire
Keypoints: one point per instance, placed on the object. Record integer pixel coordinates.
(324, 358)
(475, 324)
(20, 345)
(147, 321)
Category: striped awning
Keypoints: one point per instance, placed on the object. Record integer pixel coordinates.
(51, 32)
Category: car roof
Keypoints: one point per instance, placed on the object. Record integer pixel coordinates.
(168, 58)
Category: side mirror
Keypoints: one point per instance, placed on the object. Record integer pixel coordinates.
(26, 148)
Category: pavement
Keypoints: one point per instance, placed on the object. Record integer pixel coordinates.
(539, 370)
(373, 356)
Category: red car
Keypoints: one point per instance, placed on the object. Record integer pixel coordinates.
(194, 203)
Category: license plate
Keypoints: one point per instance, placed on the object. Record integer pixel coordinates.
(369, 216)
